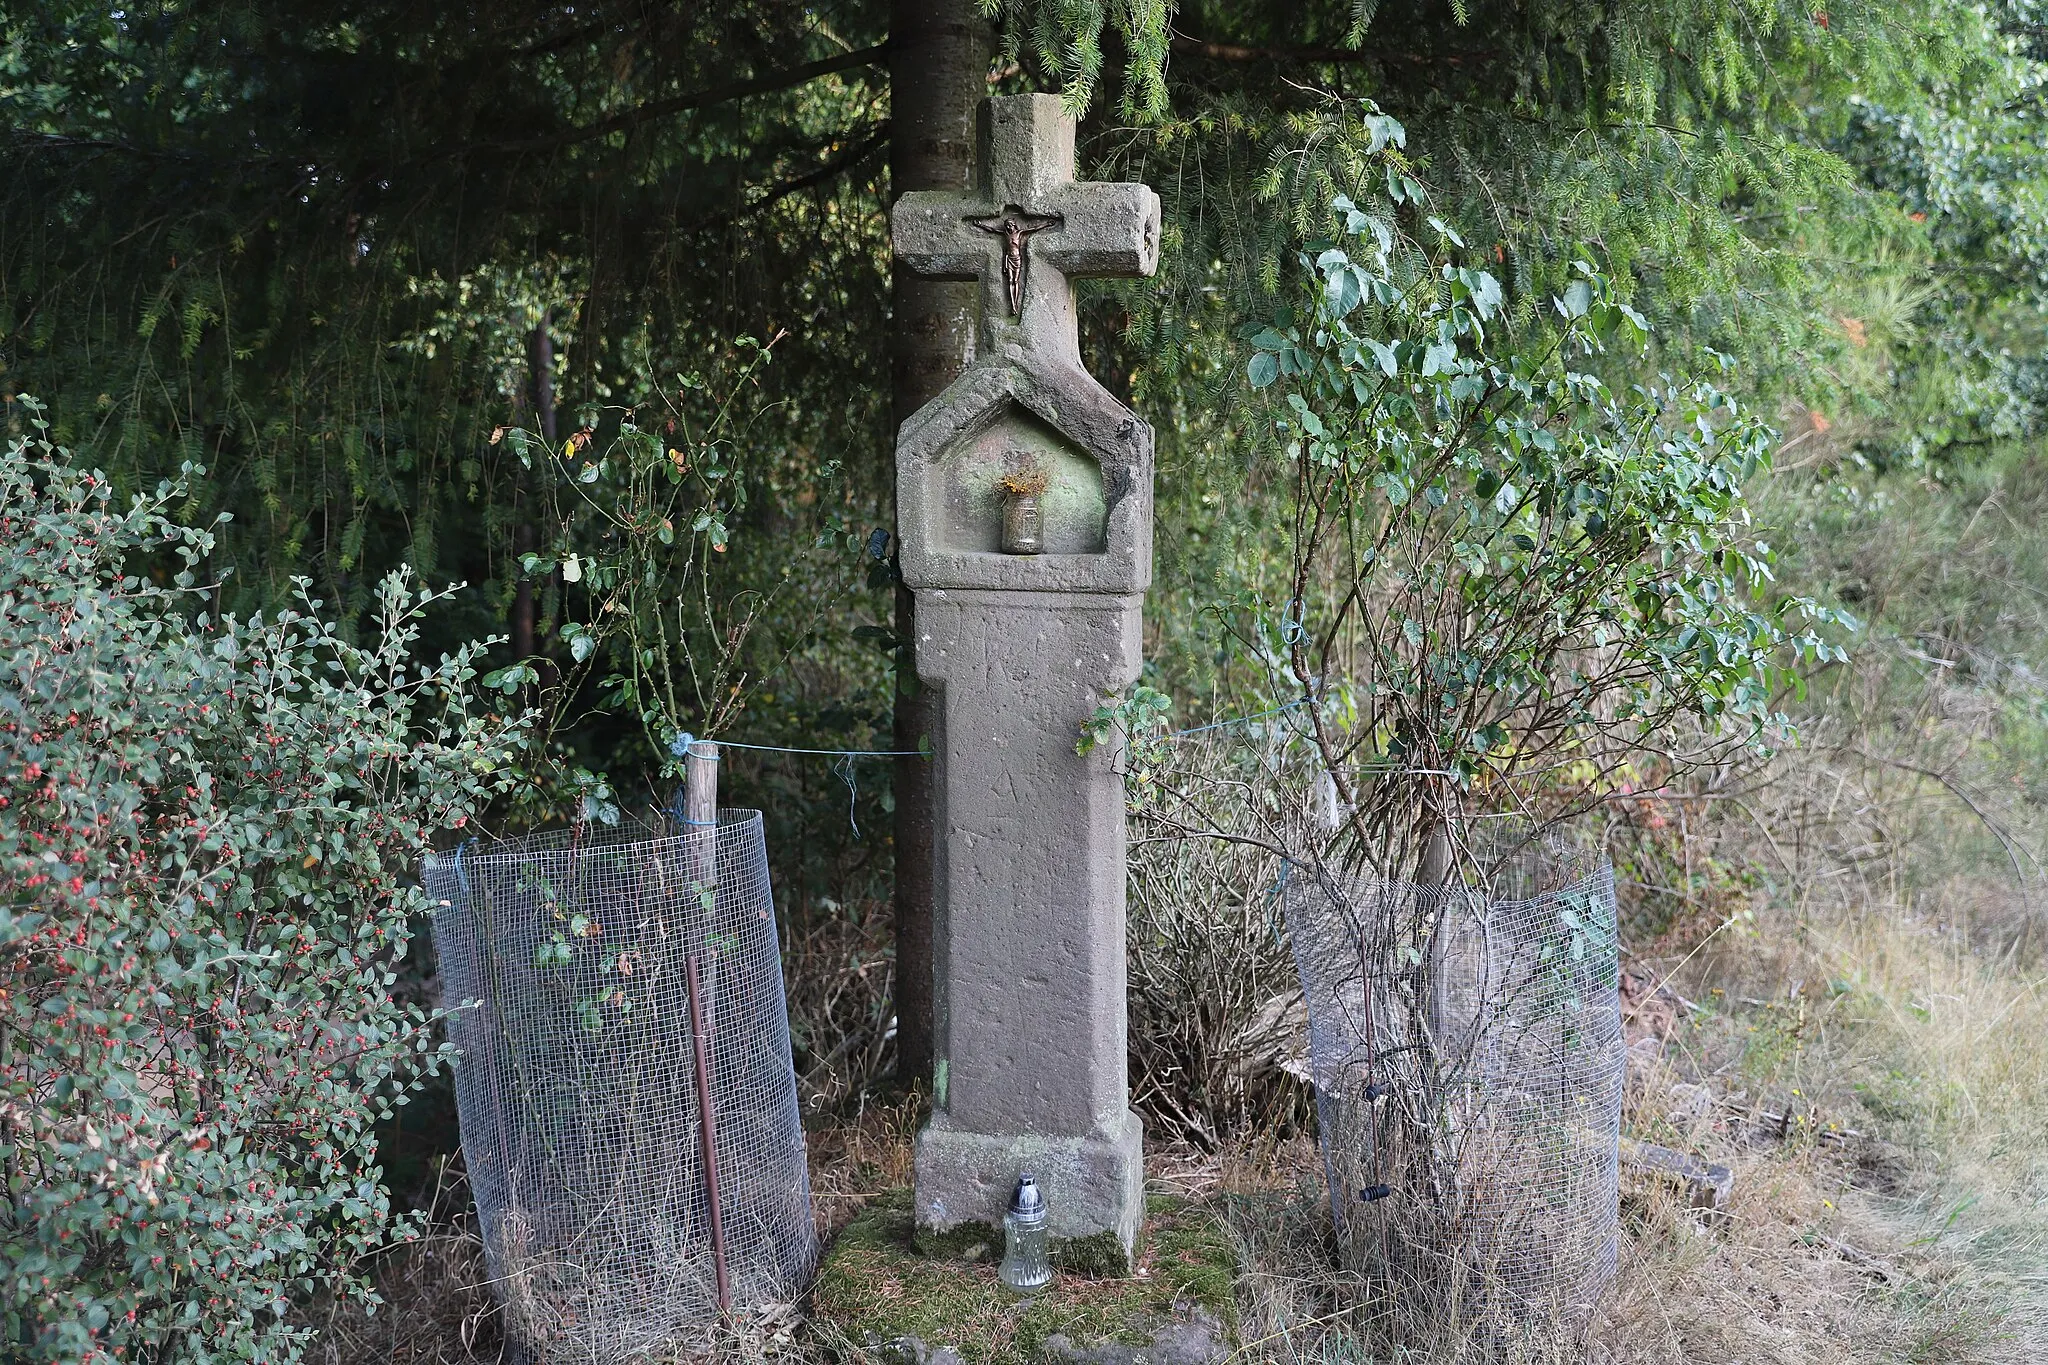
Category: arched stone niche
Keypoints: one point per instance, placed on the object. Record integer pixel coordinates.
(964, 487)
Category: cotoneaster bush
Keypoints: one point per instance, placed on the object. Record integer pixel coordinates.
(207, 834)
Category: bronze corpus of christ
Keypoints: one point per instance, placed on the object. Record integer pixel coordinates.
(1014, 226)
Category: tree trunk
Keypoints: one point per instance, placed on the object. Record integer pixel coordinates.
(938, 73)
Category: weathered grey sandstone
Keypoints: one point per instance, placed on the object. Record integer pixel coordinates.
(1022, 649)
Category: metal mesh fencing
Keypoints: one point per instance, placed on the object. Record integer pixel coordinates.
(629, 1114)
(1465, 1042)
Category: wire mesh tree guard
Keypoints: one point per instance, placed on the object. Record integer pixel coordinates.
(628, 1109)
(1465, 1042)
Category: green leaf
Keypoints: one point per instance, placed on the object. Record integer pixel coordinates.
(1341, 291)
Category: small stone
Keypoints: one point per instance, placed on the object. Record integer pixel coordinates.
(1708, 1186)
(913, 1351)
(1690, 1102)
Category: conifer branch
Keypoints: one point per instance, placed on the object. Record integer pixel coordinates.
(698, 99)
(1235, 52)
(866, 148)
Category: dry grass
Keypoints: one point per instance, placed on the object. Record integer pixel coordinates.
(1856, 932)
(1880, 995)
(1926, 1244)
(436, 1306)
(862, 1156)
(1886, 1014)
(1868, 1248)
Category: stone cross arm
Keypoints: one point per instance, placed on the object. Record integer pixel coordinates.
(1030, 229)
(1096, 230)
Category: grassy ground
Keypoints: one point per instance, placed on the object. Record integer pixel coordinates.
(1899, 1213)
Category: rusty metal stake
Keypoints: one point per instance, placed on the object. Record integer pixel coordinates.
(707, 1132)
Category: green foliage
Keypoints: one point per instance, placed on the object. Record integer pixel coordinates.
(1775, 182)
(1946, 347)
(1135, 717)
(208, 830)
(244, 243)
(313, 254)
(657, 603)
(1066, 41)
(1498, 561)
(317, 254)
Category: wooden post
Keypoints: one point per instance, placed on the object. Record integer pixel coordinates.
(700, 826)
(700, 785)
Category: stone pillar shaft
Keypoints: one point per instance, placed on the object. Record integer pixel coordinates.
(1020, 650)
(1033, 1006)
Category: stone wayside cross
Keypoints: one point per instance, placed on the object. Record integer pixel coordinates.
(1029, 924)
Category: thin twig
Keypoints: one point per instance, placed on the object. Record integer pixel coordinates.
(2005, 841)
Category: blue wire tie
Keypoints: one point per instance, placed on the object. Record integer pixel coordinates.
(461, 874)
(843, 766)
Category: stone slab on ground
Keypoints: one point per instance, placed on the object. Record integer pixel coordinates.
(1707, 1186)
(878, 1293)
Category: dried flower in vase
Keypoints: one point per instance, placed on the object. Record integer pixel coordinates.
(1023, 520)
(1027, 482)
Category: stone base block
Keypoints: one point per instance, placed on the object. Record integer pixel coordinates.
(1094, 1193)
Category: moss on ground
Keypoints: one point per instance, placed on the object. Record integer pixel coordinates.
(875, 1287)
(963, 1242)
(1101, 1256)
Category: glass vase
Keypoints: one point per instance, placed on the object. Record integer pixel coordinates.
(1023, 524)
(1025, 1265)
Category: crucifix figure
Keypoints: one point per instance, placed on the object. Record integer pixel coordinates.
(1015, 227)
(1020, 649)
(1027, 189)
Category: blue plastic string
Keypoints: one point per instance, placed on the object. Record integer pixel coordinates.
(1276, 897)
(681, 744)
(461, 873)
(842, 766)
